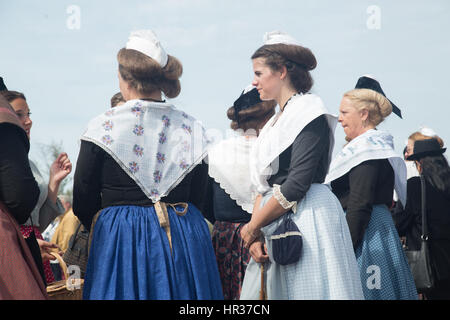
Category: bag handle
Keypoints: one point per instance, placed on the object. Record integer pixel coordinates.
(61, 263)
(424, 235)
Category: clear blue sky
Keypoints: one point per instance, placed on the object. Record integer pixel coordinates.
(67, 67)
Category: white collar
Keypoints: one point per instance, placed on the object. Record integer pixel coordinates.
(371, 145)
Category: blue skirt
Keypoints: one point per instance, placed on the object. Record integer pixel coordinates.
(130, 257)
(384, 269)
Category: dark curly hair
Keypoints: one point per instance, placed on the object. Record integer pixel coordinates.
(436, 171)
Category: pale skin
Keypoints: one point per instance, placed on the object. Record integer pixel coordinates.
(59, 169)
(271, 85)
(353, 121)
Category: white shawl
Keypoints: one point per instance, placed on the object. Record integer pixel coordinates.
(280, 132)
(156, 144)
(371, 145)
(229, 166)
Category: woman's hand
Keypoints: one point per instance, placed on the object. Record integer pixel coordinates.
(60, 169)
(46, 248)
(258, 251)
(249, 234)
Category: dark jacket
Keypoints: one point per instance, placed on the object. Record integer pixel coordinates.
(409, 224)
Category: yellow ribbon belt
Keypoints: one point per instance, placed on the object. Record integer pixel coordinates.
(163, 216)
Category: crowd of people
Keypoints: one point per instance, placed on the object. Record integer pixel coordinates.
(266, 214)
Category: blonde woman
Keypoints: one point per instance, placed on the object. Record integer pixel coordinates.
(363, 176)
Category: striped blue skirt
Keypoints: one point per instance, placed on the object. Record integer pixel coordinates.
(130, 257)
(384, 269)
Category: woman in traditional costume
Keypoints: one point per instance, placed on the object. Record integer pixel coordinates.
(20, 277)
(290, 160)
(363, 176)
(231, 187)
(48, 206)
(434, 184)
(140, 167)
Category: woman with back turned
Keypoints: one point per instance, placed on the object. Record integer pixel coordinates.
(140, 167)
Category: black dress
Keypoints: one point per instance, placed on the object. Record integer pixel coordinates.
(101, 182)
(19, 190)
(409, 224)
(304, 162)
(368, 184)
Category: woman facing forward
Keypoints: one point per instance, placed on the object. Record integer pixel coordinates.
(289, 162)
(48, 206)
(140, 166)
(363, 176)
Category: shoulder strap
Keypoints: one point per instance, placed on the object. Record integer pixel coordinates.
(424, 210)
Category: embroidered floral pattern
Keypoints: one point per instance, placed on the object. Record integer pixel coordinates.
(154, 193)
(184, 115)
(157, 175)
(133, 167)
(162, 137)
(187, 128)
(166, 121)
(138, 130)
(107, 125)
(106, 139)
(183, 164)
(160, 157)
(138, 150)
(137, 111)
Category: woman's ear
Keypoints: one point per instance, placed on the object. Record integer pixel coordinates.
(283, 72)
(418, 166)
(364, 114)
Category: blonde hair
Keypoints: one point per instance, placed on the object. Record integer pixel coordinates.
(146, 76)
(375, 103)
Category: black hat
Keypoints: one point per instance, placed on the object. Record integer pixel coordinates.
(427, 147)
(247, 99)
(2, 85)
(366, 82)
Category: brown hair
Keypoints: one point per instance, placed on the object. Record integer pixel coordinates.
(116, 99)
(146, 76)
(375, 103)
(254, 117)
(10, 96)
(419, 136)
(298, 61)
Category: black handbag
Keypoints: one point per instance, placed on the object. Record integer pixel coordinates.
(287, 242)
(419, 260)
(78, 249)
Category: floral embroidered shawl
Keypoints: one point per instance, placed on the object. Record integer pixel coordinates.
(155, 143)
